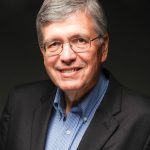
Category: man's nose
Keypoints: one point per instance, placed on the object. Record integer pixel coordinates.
(67, 55)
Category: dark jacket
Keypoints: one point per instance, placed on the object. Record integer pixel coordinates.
(122, 122)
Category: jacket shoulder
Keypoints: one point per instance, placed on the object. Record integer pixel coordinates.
(33, 86)
(30, 94)
(135, 102)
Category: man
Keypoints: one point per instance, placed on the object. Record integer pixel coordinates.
(82, 106)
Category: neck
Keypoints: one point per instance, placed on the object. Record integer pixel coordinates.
(72, 98)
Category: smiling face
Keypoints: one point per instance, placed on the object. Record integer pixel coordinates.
(74, 73)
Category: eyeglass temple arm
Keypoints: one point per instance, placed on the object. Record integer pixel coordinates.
(99, 36)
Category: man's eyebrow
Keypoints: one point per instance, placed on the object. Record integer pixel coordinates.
(81, 35)
(53, 39)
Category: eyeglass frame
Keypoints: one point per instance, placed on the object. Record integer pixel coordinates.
(43, 46)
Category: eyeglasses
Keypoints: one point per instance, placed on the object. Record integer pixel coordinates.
(78, 45)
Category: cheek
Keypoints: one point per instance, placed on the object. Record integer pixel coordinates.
(49, 61)
(93, 66)
(50, 69)
(49, 65)
(94, 62)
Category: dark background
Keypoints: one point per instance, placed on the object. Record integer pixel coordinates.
(129, 52)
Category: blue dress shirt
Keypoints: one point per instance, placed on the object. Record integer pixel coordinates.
(66, 132)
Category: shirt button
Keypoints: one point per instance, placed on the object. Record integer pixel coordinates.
(68, 132)
(84, 119)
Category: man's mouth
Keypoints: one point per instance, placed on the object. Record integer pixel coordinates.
(70, 70)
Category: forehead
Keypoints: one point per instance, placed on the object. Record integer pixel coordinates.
(76, 23)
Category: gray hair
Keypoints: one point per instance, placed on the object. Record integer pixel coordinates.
(55, 10)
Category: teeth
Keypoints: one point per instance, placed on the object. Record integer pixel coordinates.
(68, 71)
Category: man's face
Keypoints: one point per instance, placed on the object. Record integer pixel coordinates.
(71, 71)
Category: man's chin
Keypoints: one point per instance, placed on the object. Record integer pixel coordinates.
(70, 87)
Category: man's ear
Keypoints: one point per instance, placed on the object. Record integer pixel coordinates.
(42, 51)
(104, 48)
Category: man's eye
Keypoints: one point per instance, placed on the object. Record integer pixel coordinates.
(80, 41)
(53, 44)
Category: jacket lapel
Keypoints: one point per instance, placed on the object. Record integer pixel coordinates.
(99, 131)
(40, 121)
(103, 125)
